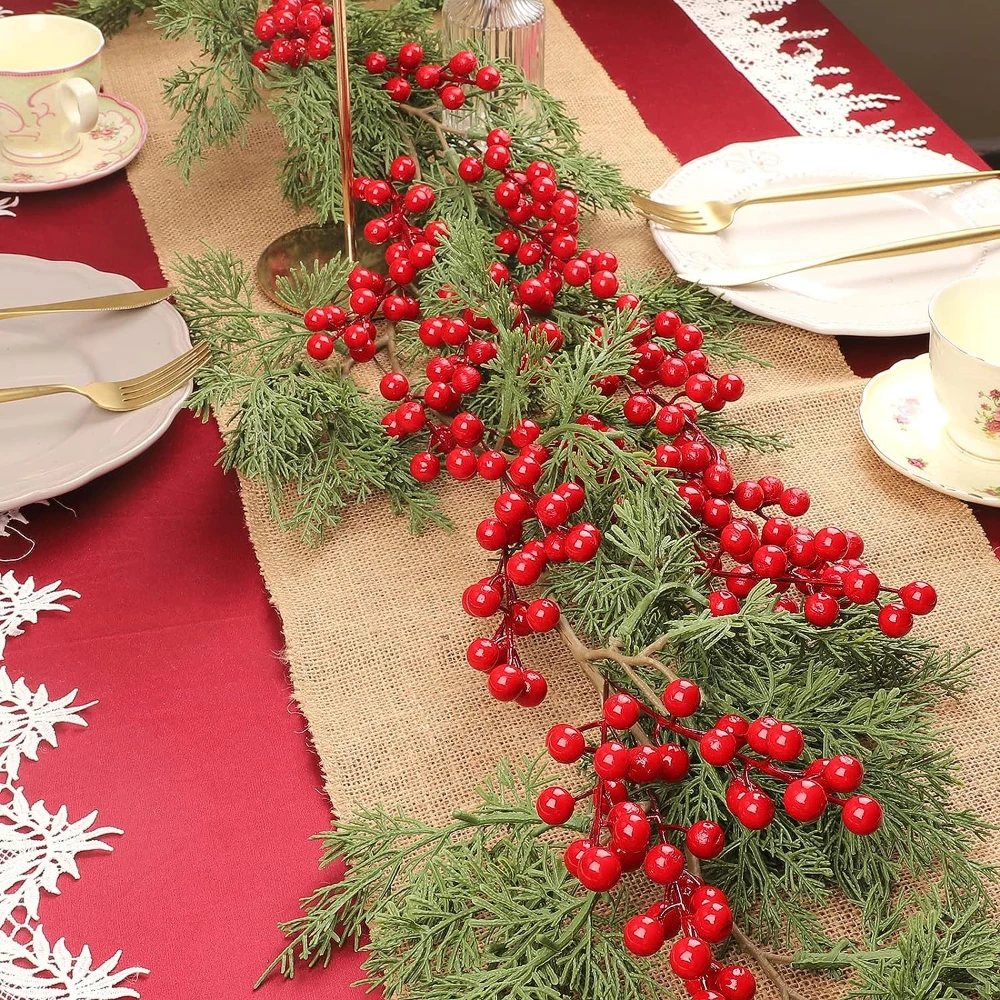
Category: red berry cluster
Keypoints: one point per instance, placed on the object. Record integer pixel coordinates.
(625, 836)
(412, 249)
(824, 566)
(557, 542)
(549, 242)
(296, 32)
(449, 81)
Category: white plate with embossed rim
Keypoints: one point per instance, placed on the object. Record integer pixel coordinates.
(905, 424)
(54, 444)
(880, 298)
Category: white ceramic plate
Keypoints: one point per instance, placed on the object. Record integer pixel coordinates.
(905, 425)
(55, 443)
(883, 298)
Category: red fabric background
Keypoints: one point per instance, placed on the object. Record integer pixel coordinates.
(195, 749)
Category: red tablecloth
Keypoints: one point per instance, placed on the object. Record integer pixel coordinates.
(195, 749)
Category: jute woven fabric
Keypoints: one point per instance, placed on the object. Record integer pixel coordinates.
(373, 622)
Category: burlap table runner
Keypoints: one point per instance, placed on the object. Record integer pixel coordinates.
(373, 623)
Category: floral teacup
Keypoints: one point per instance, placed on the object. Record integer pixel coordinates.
(965, 363)
(50, 75)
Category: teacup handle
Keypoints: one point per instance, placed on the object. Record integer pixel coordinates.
(79, 101)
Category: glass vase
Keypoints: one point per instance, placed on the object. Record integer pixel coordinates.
(512, 30)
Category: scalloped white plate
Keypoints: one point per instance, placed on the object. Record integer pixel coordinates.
(56, 443)
(883, 298)
(905, 425)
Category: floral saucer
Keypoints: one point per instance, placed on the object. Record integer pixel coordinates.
(115, 140)
(905, 425)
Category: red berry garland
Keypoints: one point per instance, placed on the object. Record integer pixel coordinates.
(409, 69)
(748, 534)
(625, 836)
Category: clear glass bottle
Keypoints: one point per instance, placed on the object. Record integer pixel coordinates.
(513, 30)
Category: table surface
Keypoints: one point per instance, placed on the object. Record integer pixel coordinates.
(196, 749)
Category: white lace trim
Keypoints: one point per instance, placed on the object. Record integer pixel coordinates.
(791, 80)
(21, 603)
(36, 847)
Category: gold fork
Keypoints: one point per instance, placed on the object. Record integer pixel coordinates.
(714, 216)
(133, 393)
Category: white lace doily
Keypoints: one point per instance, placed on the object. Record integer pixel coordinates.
(790, 76)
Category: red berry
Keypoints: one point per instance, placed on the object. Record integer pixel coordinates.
(376, 62)
(713, 921)
(722, 602)
(496, 157)
(611, 760)
(736, 982)
(843, 774)
(599, 869)
(534, 690)
(675, 762)
(604, 284)
(511, 507)
(461, 464)
(918, 598)
(730, 387)
(644, 764)
(805, 800)
(554, 805)
(582, 542)
(491, 533)
(424, 466)
(821, 609)
(410, 55)
(488, 78)
(621, 711)
(759, 731)
(862, 815)
(524, 568)
(664, 864)
(573, 494)
(705, 839)
(861, 586)
(543, 615)
(452, 96)
(482, 654)
(463, 63)
(506, 682)
(755, 810)
(749, 495)
(320, 346)
(682, 698)
(690, 958)
(643, 935)
(398, 89)
(784, 742)
(481, 600)
(470, 169)
(718, 747)
(631, 833)
(565, 744)
(552, 510)
(894, 620)
(794, 502)
(428, 76)
(575, 850)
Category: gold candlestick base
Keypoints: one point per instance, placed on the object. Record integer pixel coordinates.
(307, 247)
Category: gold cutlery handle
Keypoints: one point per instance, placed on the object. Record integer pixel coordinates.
(31, 391)
(868, 187)
(921, 244)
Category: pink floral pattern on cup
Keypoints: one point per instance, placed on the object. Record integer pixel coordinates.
(905, 410)
(917, 463)
(988, 415)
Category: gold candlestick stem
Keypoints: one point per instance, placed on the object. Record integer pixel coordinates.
(344, 118)
(314, 245)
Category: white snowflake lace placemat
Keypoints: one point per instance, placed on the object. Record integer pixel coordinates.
(791, 77)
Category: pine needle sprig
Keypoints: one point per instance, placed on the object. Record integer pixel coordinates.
(478, 908)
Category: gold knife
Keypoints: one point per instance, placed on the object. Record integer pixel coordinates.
(102, 303)
(732, 277)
